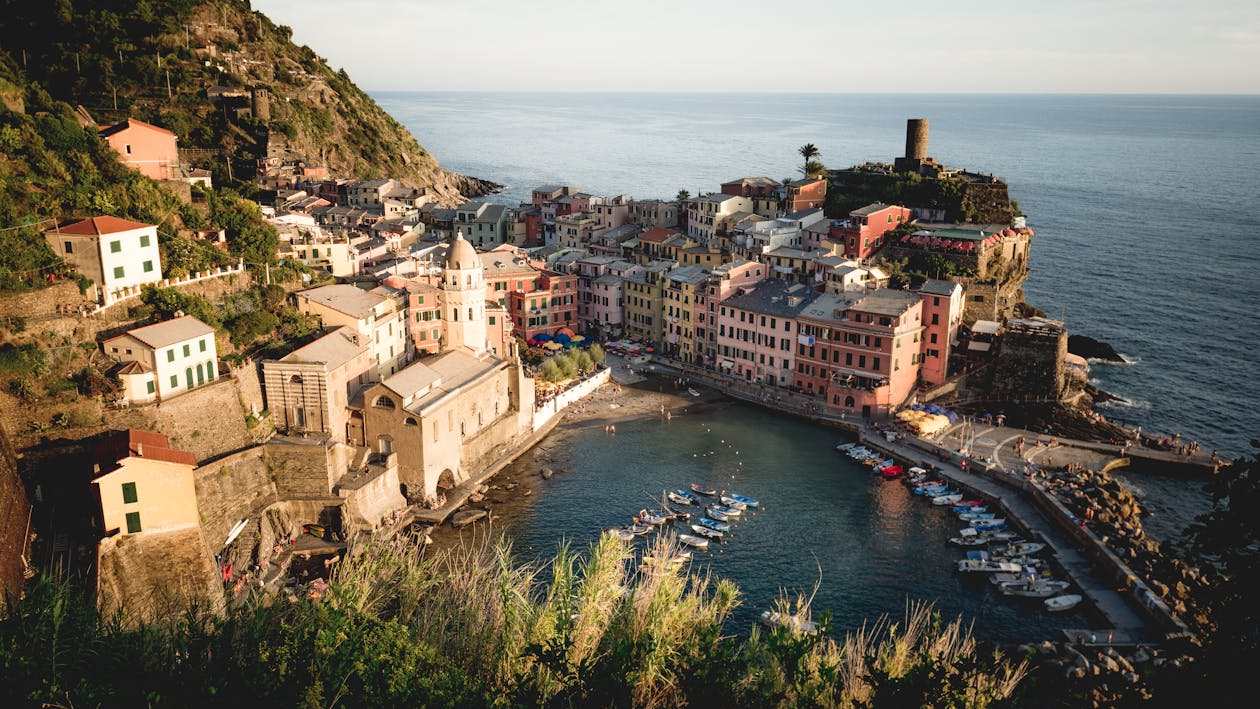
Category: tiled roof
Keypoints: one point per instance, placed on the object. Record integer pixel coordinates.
(134, 443)
(170, 332)
(99, 226)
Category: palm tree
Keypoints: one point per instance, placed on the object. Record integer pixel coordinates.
(683, 196)
(808, 151)
(814, 169)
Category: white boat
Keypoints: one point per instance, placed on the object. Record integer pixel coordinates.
(728, 511)
(748, 501)
(679, 499)
(912, 472)
(987, 566)
(706, 531)
(638, 530)
(1063, 603)
(694, 541)
(714, 513)
(846, 447)
(946, 499)
(1020, 548)
(993, 522)
(968, 516)
(972, 541)
(1026, 574)
(1033, 589)
(646, 517)
(676, 560)
(693, 392)
(996, 536)
(624, 534)
(775, 619)
(733, 503)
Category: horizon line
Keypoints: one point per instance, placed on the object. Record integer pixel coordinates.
(819, 93)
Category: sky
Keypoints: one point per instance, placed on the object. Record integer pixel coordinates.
(837, 46)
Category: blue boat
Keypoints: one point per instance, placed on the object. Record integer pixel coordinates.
(746, 500)
(714, 524)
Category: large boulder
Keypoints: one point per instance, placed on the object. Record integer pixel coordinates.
(1089, 348)
(463, 518)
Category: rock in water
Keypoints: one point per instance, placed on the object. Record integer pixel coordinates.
(1089, 348)
(547, 473)
(463, 518)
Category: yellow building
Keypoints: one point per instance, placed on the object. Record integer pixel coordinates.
(143, 485)
(644, 301)
(683, 288)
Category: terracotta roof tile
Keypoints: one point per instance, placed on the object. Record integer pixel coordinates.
(99, 226)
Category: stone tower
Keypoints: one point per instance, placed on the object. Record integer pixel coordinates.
(917, 138)
(260, 103)
(464, 297)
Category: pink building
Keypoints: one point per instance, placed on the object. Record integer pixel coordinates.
(756, 331)
(860, 351)
(942, 313)
(724, 281)
(862, 234)
(751, 187)
(144, 147)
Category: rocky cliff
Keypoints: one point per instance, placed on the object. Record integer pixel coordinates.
(225, 78)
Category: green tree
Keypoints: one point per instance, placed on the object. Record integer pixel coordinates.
(583, 362)
(808, 153)
(814, 169)
(550, 371)
(682, 196)
(597, 354)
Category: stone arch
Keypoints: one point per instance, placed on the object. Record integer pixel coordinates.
(446, 480)
(410, 421)
(849, 402)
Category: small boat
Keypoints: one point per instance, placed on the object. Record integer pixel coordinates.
(1021, 548)
(987, 566)
(972, 541)
(1027, 574)
(703, 489)
(681, 516)
(1063, 603)
(679, 499)
(775, 619)
(733, 503)
(638, 530)
(693, 392)
(694, 541)
(970, 503)
(716, 514)
(947, 499)
(748, 501)
(970, 508)
(676, 560)
(846, 447)
(995, 536)
(1035, 588)
(932, 489)
(624, 533)
(728, 511)
(714, 524)
(968, 516)
(704, 531)
(916, 471)
(990, 522)
(860, 453)
(652, 518)
(891, 471)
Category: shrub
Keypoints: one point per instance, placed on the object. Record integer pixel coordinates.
(597, 354)
(550, 371)
(584, 362)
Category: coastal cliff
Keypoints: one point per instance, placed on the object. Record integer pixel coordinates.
(224, 78)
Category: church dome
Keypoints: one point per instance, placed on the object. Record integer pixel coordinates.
(461, 254)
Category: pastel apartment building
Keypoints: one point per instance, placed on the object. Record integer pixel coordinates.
(724, 281)
(380, 321)
(942, 314)
(649, 213)
(118, 255)
(683, 289)
(644, 300)
(483, 224)
(862, 234)
(798, 195)
(142, 485)
(860, 351)
(148, 149)
(164, 360)
(709, 213)
(756, 331)
(309, 389)
(549, 307)
(574, 230)
(751, 187)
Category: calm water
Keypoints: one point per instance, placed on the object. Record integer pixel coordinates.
(874, 543)
(1148, 235)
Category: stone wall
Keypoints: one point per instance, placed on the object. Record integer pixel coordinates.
(1031, 364)
(372, 503)
(40, 304)
(15, 515)
(230, 489)
(305, 468)
(208, 421)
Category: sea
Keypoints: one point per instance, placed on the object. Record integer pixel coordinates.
(1145, 207)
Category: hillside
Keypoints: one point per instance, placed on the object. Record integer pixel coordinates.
(156, 59)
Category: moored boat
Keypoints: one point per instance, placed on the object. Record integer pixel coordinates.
(716, 514)
(694, 541)
(987, 566)
(638, 530)
(846, 447)
(1020, 548)
(748, 501)
(704, 531)
(679, 499)
(946, 499)
(1063, 603)
(1036, 588)
(715, 524)
(728, 511)
(775, 619)
(703, 489)
(733, 503)
(652, 518)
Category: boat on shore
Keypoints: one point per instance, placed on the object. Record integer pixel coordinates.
(1063, 603)
(703, 489)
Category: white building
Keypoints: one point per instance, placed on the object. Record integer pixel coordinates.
(164, 360)
(116, 254)
(380, 320)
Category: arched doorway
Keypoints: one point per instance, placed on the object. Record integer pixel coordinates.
(446, 480)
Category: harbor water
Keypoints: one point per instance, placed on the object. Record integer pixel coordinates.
(869, 545)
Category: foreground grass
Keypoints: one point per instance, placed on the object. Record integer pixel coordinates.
(472, 626)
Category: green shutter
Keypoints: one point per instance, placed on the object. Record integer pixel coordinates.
(148, 266)
(118, 272)
(149, 386)
(129, 492)
(144, 239)
(203, 345)
(133, 522)
(170, 355)
(174, 381)
(115, 247)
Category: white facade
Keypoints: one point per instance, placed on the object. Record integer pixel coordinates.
(180, 355)
(464, 297)
(116, 254)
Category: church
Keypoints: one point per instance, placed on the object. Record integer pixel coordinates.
(451, 414)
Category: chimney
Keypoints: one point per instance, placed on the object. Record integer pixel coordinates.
(139, 450)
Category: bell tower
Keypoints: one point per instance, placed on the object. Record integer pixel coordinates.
(464, 297)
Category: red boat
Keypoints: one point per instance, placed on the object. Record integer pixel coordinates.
(891, 471)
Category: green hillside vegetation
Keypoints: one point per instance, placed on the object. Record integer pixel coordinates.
(473, 626)
(154, 60)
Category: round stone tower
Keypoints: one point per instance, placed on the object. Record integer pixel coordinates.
(917, 138)
(260, 103)
(464, 297)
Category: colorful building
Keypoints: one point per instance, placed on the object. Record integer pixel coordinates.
(118, 255)
(862, 234)
(756, 331)
(164, 360)
(942, 314)
(150, 150)
(684, 287)
(142, 485)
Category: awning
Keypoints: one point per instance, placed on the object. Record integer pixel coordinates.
(727, 364)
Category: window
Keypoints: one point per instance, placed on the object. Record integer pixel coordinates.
(149, 386)
(115, 247)
(133, 522)
(936, 319)
(933, 338)
(144, 239)
(69, 247)
(384, 402)
(174, 381)
(202, 345)
(129, 493)
(118, 272)
(148, 266)
(410, 421)
(170, 355)
(127, 148)
(187, 350)
(977, 299)
(492, 320)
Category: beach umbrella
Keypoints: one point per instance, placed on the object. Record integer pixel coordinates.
(562, 338)
(579, 338)
(553, 346)
(566, 332)
(542, 337)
